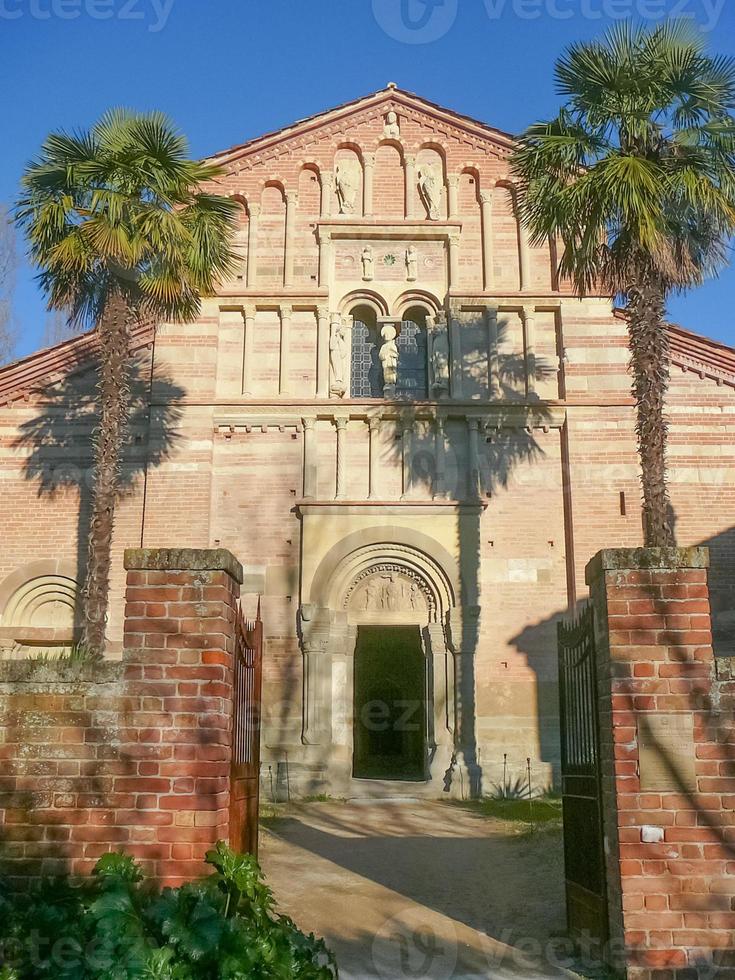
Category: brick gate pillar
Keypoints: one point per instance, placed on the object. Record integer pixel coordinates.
(179, 643)
(668, 766)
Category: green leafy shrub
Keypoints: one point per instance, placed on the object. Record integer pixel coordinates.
(114, 927)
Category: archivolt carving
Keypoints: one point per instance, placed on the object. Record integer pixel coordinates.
(392, 587)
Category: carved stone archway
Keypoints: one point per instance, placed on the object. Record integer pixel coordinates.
(381, 583)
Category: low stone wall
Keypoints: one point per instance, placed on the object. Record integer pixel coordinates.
(668, 765)
(132, 755)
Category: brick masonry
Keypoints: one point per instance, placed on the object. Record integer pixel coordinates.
(132, 755)
(672, 902)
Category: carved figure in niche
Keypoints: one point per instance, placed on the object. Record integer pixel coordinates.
(372, 595)
(346, 182)
(431, 189)
(440, 359)
(338, 360)
(389, 355)
(368, 264)
(412, 263)
(392, 129)
(413, 595)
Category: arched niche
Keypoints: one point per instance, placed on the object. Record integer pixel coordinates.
(390, 184)
(240, 241)
(309, 191)
(272, 232)
(39, 607)
(431, 157)
(506, 235)
(348, 162)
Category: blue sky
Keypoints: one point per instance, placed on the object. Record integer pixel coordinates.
(228, 70)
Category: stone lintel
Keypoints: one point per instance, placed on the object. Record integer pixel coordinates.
(629, 559)
(184, 560)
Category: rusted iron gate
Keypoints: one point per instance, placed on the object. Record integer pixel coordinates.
(245, 775)
(584, 853)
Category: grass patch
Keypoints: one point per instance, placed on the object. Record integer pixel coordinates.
(543, 811)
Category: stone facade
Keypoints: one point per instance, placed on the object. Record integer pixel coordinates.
(394, 390)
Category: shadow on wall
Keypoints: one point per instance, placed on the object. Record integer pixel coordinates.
(476, 459)
(58, 441)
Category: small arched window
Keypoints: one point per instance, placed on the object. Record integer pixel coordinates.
(412, 383)
(366, 377)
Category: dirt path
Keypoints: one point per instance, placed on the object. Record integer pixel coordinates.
(427, 891)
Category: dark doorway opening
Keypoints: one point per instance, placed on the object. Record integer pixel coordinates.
(390, 704)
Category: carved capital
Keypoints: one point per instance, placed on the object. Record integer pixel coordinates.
(322, 312)
(453, 180)
(309, 424)
(254, 210)
(341, 423)
(374, 423)
(286, 311)
(249, 312)
(324, 237)
(368, 159)
(486, 198)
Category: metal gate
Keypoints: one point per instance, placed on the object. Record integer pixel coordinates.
(584, 853)
(245, 774)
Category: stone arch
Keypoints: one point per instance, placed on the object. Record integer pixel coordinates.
(366, 297)
(39, 607)
(418, 553)
(417, 297)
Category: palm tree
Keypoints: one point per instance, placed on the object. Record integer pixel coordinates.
(122, 232)
(635, 176)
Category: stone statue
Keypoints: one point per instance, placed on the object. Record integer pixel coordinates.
(412, 262)
(346, 182)
(368, 265)
(389, 356)
(392, 129)
(431, 189)
(338, 360)
(440, 360)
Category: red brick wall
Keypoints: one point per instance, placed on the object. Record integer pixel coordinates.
(135, 755)
(672, 902)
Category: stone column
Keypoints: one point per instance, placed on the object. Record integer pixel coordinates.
(325, 258)
(327, 179)
(367, 184)
(493, 365)
(406, 459)
(410, 167)
(473, 458)
(247, 359)
(254, 213)
(453, 195)
(666, 764)
(341, 489)
(456, 360)
(529, 339)
(439, 489)
(317, 723)
(374, 426)
(311, 473)
(283, 380)
(486, 204)
(292, 205)
(322, 353)
(454, 242)
(465, 631)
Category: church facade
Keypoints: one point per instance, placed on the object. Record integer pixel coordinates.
(408, 430)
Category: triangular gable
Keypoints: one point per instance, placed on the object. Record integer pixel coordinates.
(444, 122)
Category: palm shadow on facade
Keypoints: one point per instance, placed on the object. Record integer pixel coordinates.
(58, 442)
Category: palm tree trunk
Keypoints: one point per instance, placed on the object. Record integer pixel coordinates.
(649, 353)
(114, 391)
